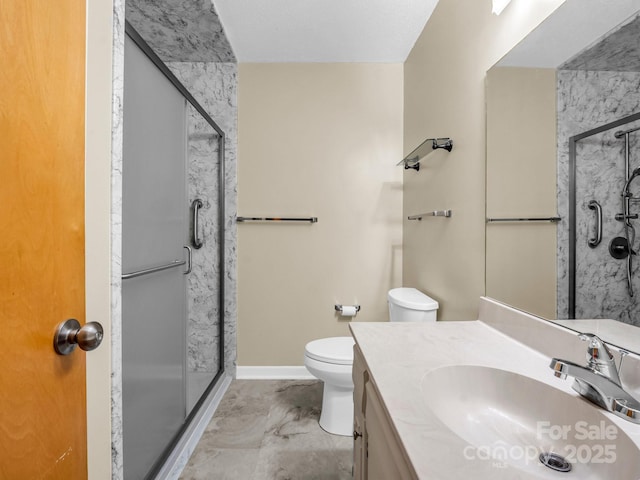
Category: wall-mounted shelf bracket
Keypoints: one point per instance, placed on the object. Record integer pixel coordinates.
(412, 161)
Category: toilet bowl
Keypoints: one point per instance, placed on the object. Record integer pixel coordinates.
(331, 360)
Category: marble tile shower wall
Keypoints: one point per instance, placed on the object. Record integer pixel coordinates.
(214, 86)
(117, 115)
(588, 99)
(203, 284)
(181, 31)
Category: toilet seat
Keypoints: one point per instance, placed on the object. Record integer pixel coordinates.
(335, 350)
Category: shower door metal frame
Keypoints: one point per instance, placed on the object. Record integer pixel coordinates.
(573, 141)
(146, 49)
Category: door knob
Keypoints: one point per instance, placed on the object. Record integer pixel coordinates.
(69, 334)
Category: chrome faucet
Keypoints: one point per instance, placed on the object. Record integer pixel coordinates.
(599, 381)
(600, 358)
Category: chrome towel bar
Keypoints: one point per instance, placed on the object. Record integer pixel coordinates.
(435, 213)
(277, 219)
(529, 219)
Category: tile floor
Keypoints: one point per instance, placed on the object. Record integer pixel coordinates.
(268, 430)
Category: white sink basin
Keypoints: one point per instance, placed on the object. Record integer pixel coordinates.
(508, 420)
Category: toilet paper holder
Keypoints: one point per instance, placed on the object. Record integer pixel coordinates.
(339, 307)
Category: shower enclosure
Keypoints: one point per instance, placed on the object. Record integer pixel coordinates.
(172, 258)
(604, 203)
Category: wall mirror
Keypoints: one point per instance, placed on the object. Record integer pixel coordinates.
(563, 192)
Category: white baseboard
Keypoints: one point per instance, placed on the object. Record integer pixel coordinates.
(274, 373)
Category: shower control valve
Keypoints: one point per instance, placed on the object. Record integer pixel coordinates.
(619, 248)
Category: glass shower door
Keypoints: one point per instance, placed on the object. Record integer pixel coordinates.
(203, 284)
(153, 266)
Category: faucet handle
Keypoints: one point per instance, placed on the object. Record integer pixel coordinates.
(597, 351)
(623, 353)
(600, 358)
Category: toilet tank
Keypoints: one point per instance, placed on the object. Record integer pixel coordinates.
(411, 305)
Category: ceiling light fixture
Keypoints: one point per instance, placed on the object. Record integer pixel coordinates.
(499, 6)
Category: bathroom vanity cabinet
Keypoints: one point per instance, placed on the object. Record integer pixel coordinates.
(377, 450)
(412, 380)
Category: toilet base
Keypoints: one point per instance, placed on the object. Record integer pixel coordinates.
(336, 416)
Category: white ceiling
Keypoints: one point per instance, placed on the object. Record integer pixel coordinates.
(323, 30)
(572, 27)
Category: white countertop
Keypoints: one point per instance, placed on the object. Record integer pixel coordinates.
(399, 355)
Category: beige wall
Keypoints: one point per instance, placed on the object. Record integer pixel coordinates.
(521, 182)
(444, 96)
(316, 140)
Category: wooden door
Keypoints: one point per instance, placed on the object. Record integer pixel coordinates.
(42, 394)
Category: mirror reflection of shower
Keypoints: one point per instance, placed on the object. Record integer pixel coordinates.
(626, 216)
(604, 219)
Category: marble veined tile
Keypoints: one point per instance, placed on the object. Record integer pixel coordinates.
(214, 85)
(117, 464)
(221, 464)
(247, 396)
(618, 51)
(244, 431)
(241, 418)
(313, 465)
(266, 430)
(293, 416)
(586, 100)
(181, 31)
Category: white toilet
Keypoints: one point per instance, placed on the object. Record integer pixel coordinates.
(411, 305)
(331, 359)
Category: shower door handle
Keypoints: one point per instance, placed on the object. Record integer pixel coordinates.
(196, 205)
(594, 205)
(189, 260)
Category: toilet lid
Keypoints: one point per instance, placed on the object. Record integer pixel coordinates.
(412, 299)
(337, 350)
